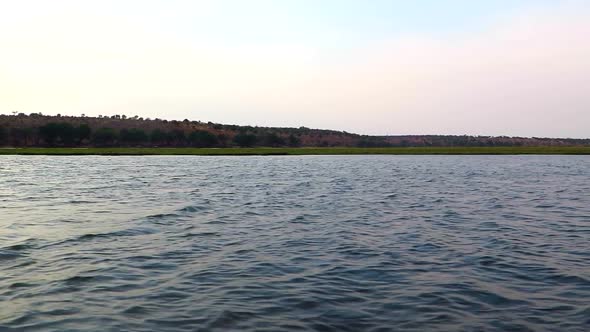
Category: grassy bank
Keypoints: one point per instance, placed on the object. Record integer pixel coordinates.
(298, 151)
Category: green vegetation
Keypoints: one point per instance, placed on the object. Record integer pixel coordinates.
(37, 130)
(64, 133)
(300, 151)
(133, 132)
(245, 140)
(105, 137)
(202, 139)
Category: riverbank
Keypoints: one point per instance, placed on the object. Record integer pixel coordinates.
(546, 150)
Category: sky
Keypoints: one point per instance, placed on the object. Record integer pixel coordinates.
(378, 67)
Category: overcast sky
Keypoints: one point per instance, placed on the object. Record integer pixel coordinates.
(486, 67)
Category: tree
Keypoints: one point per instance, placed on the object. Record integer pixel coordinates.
(2, 135)
(202, 139)
(245, 139)
(222, 140)
(105, 136)
(272, 139)
(294, 140)
(58, 133)
(133, 136)
(177, 137)
(21, 136)
(84, 132)
(158, 137)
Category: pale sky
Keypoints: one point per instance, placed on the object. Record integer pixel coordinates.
(485, 67)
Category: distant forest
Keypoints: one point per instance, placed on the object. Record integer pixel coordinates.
(22, 130)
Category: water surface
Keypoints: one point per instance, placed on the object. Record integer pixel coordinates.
(311, 243)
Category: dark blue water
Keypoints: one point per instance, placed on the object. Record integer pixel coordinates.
(359, 243)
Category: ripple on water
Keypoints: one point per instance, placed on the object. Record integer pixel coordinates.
(363, 243)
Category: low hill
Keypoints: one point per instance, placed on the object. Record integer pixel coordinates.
(22, 130)
(454, 140)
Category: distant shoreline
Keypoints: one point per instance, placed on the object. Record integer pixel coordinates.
(36, 130)
(260, 151)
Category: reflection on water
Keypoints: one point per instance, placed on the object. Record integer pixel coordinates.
(359, 243)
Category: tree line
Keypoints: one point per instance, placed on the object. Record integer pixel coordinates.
(63, 134)
(119, 130)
